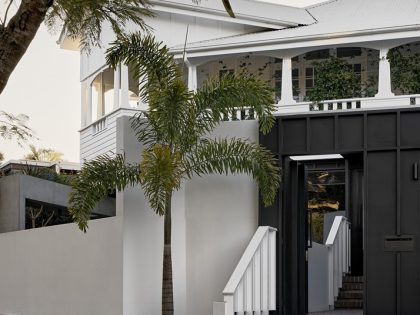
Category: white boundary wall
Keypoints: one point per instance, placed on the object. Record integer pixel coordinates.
(61, 271)
(214, 218)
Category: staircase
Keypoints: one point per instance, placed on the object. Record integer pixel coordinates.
(350, 295)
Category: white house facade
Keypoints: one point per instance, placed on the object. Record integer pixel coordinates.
(293, 266)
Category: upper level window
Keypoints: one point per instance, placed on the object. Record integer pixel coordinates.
(318, 54)
(349, 52)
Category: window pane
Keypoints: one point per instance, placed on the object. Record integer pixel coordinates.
(349, 52)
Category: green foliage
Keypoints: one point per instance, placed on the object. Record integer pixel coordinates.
(48, 174)
(334, 79)
(96, 180)
(40, 216)
(84, 19)
(175, 132)
(236, 156)
(12, 126)
(43, 154)
(405, 69)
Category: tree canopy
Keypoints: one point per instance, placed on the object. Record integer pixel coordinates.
(81, 19)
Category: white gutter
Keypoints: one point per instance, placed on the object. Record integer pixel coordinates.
(277, 43)
(261, 14)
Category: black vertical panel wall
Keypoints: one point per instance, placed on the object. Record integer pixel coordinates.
(389, 142)
(380, 266)
(410, 219)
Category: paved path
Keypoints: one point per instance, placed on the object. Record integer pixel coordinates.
(340, 312)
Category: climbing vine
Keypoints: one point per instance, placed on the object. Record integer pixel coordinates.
(405, 68)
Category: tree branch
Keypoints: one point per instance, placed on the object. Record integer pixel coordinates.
(16, 37)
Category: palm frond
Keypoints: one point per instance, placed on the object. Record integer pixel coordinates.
(228, 8)
(223, 156)
(95, 181)
(84, 19)
(162, 172)
(219, 97)
(149, 59)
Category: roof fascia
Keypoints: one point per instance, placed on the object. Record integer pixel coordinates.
(214, 10)
(400, 34)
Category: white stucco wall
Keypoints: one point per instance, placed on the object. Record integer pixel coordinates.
(214, 218)
(59, 270)
(318, 278)
(221, 217)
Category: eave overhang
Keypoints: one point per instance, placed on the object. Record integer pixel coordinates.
(247, 43)
(253, 13)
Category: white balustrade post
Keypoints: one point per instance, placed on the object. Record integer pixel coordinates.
(229, 305)
(384, 79)
(192, 77)
(124, 86)
(117, 86)
(330, 277)
(142, 86)
(286, 83)
(272, 269)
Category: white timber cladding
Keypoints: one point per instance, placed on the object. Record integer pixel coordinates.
(198, 29)
(100, 137)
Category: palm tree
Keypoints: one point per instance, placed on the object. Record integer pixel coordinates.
(176, 134)
(43, 154)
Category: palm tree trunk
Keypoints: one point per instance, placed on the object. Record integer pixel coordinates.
(18, 33)
(167, 282)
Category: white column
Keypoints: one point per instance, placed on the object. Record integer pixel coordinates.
(124, 86)
(142, 86)
(89, 104)
(117, 86)
(286, 83)
(192, 77)
(384, 79)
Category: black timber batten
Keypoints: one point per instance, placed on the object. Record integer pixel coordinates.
(389, 143)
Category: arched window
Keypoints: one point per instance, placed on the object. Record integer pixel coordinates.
(103, 93)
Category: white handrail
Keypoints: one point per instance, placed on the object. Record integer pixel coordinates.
(252, 286)
(338, 243)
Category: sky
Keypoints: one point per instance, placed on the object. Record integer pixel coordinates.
(45, 86)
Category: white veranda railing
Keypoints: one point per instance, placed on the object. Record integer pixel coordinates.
(252, 286)
(338, 243)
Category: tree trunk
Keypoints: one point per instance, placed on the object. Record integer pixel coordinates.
(167, 282)
(18, 33)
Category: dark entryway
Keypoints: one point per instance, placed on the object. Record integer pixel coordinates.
(382, 149)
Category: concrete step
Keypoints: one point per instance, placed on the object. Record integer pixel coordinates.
(348, 304)
(352, 286)
(350, 295)
(352, 279)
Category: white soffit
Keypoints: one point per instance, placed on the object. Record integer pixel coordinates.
(248, 12)
(336, 19)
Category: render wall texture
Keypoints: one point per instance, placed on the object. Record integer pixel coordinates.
(61, 271)
(214, 218)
